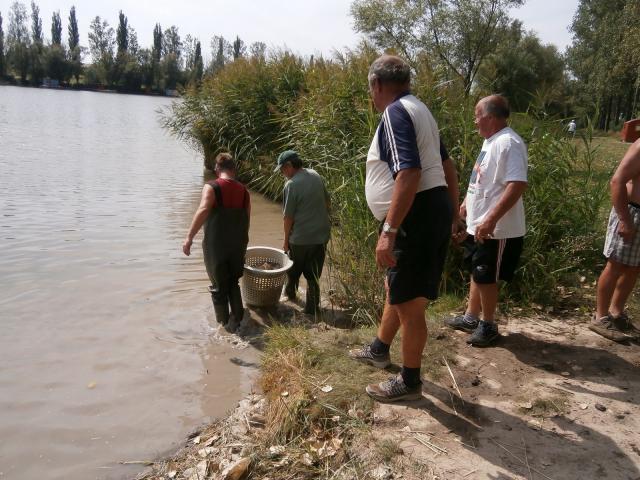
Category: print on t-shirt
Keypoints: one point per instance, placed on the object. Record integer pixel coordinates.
(476, 173)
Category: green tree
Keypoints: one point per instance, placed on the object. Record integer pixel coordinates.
(258, 50)
(456, 35)
(101, 45)
(36, 50)
(157, 42)
(122, 34)
(170, 71)
(239, 48)
(75, 50)
(3, 66)
(602, 58)
(18, 40)
(198, 64)
(525, 71)
(171, 43)
(56, 65)
(156, 54)
(36, 24)
(146, 62)
(56, 29)
(220, 50)
(133, 45)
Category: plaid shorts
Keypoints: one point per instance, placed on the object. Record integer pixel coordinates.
(614, 248)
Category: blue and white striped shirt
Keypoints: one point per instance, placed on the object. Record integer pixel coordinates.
(407, 137)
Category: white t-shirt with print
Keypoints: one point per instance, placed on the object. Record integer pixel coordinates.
(503, 159)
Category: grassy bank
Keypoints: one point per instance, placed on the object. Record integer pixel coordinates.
(312, 419)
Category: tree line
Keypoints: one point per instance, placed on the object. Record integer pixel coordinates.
(477, 44)
(117, 59)
(472, 43)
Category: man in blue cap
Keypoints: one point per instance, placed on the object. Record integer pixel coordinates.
(306, 226)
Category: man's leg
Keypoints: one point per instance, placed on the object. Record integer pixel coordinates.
(488, 294)
(606, 286)
(293, 274)
(389, 324)
(624, 287)
(377, 352)
(407, 385)
(312, 269)
(474, 307)
(414, 331)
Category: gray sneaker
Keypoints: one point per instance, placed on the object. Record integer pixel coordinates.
(623, 323)
(484, 335)
(461, 322)
(608, 328)
(394, 390)
(365, 355)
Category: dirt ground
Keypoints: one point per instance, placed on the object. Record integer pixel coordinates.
(551, 401)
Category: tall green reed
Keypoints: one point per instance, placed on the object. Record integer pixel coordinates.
(257, 108)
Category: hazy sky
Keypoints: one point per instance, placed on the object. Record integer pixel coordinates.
(304, 26)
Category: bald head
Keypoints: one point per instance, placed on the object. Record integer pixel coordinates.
(496, 106)
(491, 115)
(390, 69)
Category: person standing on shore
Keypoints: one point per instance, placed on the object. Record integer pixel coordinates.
(494, 212)
(306, 227)
(622, 250)
(406, 190)
(225, 209)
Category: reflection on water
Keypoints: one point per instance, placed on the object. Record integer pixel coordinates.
(105, 324)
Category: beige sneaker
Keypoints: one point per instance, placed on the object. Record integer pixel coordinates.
(606, 327)
(394, 390)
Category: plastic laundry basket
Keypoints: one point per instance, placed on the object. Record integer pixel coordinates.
(262, 287)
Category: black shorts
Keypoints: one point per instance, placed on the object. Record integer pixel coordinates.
(421, 248)
(492, 260)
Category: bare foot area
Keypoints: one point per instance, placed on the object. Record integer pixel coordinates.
(551, 400)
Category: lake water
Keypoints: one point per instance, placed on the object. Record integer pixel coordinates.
(108, 347)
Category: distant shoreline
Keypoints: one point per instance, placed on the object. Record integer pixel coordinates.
(91, 88)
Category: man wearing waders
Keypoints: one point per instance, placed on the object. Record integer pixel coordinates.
(224, 209)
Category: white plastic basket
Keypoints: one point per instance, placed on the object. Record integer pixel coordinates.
(260, 287)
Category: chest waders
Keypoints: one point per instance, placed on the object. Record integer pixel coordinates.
(226, 235)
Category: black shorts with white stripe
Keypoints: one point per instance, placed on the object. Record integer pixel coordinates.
(493, 259)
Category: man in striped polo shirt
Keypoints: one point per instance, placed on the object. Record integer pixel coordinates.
(406, 190)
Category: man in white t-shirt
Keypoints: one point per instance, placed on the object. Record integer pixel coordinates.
(406, 190)
(495, 218)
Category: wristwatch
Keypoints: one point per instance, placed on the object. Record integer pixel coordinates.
(386, 228)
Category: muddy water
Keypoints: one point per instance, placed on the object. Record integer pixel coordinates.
(108, 347)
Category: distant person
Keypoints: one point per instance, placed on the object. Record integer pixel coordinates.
(494, 213)
(306, 227)
(571, 128)
(407, 192)
(225, 209)
(622, 250)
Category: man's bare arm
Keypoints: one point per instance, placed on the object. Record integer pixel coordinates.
(404, 192)
(207, 202)
(287, 226)
(628, 169)
(508, 199)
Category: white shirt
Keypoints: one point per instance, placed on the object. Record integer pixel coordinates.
(503, 159)
(407, 137)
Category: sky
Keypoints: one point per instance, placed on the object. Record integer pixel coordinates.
(304, 26)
